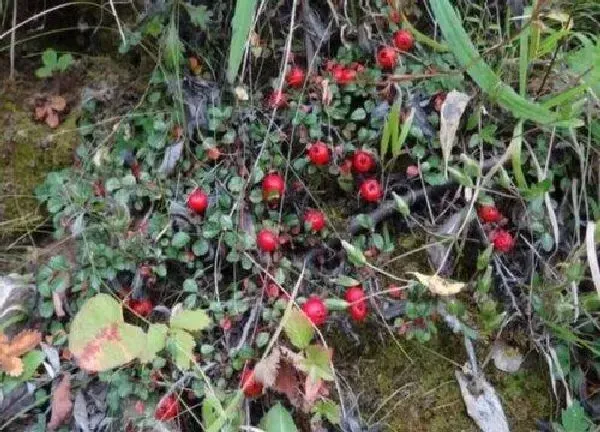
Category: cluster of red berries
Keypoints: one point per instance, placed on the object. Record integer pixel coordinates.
(502, 240)
(316, 310)
(167, 408)
(387, 56)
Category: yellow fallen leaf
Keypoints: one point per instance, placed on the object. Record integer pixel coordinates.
(438, 285)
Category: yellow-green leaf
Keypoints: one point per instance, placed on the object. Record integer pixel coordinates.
(298, 328)
(191, 320)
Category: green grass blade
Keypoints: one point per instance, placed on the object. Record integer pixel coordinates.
(482, 74)
(385, 138)
(397, 145)
(517, 140)
(523, 60)
(241, 24)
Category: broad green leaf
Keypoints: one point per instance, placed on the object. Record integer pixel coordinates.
(156, 340)
(278, 419)
(50, 58)
(180, 239)
(100, 339)
(191, 320)
(241, 24)
(31, 361)
(181, 345)
(298, 329)
(317, 364)
(465, 52)
(190, 285)
(358, 114)
(355, 255)
(64, 61)
(345, 281)
(210, 411)
(43, 72)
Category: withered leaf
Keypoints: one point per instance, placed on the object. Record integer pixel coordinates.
(61, 403)
(267, 369)
(52, 119)
(57, 103)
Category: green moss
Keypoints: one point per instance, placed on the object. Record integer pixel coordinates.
(427, 396)
(28, 151)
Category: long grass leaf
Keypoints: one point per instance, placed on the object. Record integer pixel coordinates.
(397, 145)
(482, 74)
(241, 24)
(385, 138)
(516, 142)
(523, 61)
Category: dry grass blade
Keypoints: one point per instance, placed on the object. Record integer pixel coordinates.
(592, 256)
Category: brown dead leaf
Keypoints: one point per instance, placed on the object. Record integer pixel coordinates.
(13, 366)
(312, 391)
(57, 299)
(267, 369)
(288, 383)
(40, 112)
(61, 403)
(57, 103)
(23, 342)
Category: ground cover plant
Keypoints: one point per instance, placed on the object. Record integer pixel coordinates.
(296, 177)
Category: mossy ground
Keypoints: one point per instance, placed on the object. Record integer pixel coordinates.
(416, 384)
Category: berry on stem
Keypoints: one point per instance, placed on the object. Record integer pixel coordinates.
(167, 408)
(295, 77)
(318, 153)
(489, 213)
(277, 99)
(503, 241)
(386, 57)
(314, 219)
(273, 187)
(266, 240)
(370, 190)
(362, 161)
(404, 40)
(198, 201)
(316, 310)
(142, 307)
(250, 386)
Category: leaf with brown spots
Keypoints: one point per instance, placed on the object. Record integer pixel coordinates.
(61, 403)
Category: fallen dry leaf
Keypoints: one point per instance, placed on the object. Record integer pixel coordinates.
(438, 285)
(267, 369)
(61, 403)
(11, 350)
(52, 119)
(58, 103)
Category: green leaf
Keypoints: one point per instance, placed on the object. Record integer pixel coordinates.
(298, 329)
(200, 247)
(181, 346)
(345, 281)
(399, 142)
(180, 239)
(190, 285)
(49, 58)
(173, 47)
(43, 72)
(100, 339)
(278, 419)
(156, 340)
(64, 61)
(358, 114)
(191, 320)
(199, 15)
(401, 204)
(317, 363)
(328, 409)
(466, 54)
(574, 418)
(241, 24)
(355, 255)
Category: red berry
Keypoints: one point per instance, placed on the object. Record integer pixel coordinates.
(404, 40)
(167, 408)
(355, 294)
(344, 75)
(395, 17)
(198, 201)
(412, 171)
(346, 166)
(362, 161)
(250, 386)
(318, 153)
(266, 240)
(314, 219)
(143, 307)
(438, 101)
(272, 291)
(503, 241)
(295, 77)
(358, 311)
(273, 187)
(277, 99)
(139, 407)
(225, 324)
(316, 310)
(370, 190)
(386, 57)
(489, 213)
